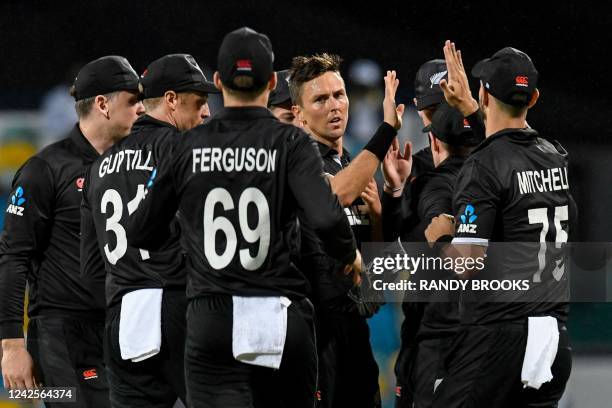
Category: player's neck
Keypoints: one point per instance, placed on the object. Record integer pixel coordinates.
(497, 123)
(99, 137)
(335, 144)
(163, 116)
(230, 101)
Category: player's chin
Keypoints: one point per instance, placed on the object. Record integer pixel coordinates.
(336, 131)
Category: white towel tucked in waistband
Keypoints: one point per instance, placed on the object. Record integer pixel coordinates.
(541, 350)
(259, 329)
(140, 324)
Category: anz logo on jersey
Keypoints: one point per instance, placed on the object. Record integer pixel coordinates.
(467, 219)
(17, 201)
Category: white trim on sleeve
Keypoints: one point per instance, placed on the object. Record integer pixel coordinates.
(468, 240)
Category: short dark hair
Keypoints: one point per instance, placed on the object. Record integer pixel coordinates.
(83, 107)
(245, 81)
(456, 150)
(511, 110)
(304, 69)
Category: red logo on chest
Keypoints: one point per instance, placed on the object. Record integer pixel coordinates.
(80, 182)
(90, 374)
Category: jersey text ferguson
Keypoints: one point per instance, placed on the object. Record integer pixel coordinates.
(209, 159)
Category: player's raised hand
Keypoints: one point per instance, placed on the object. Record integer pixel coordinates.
(371, 199)
(396, 167)
(457, 88)
(392, 113)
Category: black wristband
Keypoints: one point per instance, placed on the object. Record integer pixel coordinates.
(444, 238)
(381, 141)
(477, 124)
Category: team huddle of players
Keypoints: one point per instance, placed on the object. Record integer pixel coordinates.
(170, 254)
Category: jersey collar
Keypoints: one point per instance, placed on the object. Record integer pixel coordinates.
(526, 133)
(450, 162)
(85, 148)
(146, 120)
(327, 151)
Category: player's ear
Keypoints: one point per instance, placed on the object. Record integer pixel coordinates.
(435, 146)
(217, 81)
(534, 98)
(484, 96)
(171, 99)
(297, 112)
(101, 105)
(272, 82)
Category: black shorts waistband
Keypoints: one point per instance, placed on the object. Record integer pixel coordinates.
(171, 291)
(220, 300)
(93, 315)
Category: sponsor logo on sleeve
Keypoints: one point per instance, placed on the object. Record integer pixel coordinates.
(467, 220)
(17, 202)
(152, 178)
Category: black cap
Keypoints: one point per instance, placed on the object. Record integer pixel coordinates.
(449, 125)
(509, 75)
(175, 72)
(427, 83)
(105, 75)
(245, 52)
(280, 95)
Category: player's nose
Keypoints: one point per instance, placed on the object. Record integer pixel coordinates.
(205, 112)
(140, 109)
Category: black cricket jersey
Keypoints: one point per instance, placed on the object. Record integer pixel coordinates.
(114, 188)
(397, 212)
(40, 241)
(514, 188)
(239, 182)
(432, 195)
(329, 283)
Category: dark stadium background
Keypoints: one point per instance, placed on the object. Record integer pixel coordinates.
(40, 41)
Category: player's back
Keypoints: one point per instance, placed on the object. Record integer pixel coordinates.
(517, 191)
(232, 177)
(116, 185)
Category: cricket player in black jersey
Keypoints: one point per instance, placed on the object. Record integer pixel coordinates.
(427, 97)
(497, 201)
(348, 374)
(401, 168)
(143, 283)
(428, 328)
(239, 181)
(40, 245)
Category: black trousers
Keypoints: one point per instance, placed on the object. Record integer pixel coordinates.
(421, 371)
(483, 369)
(159, 380)
(68, 353)
(348, 373)
(216, 379)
